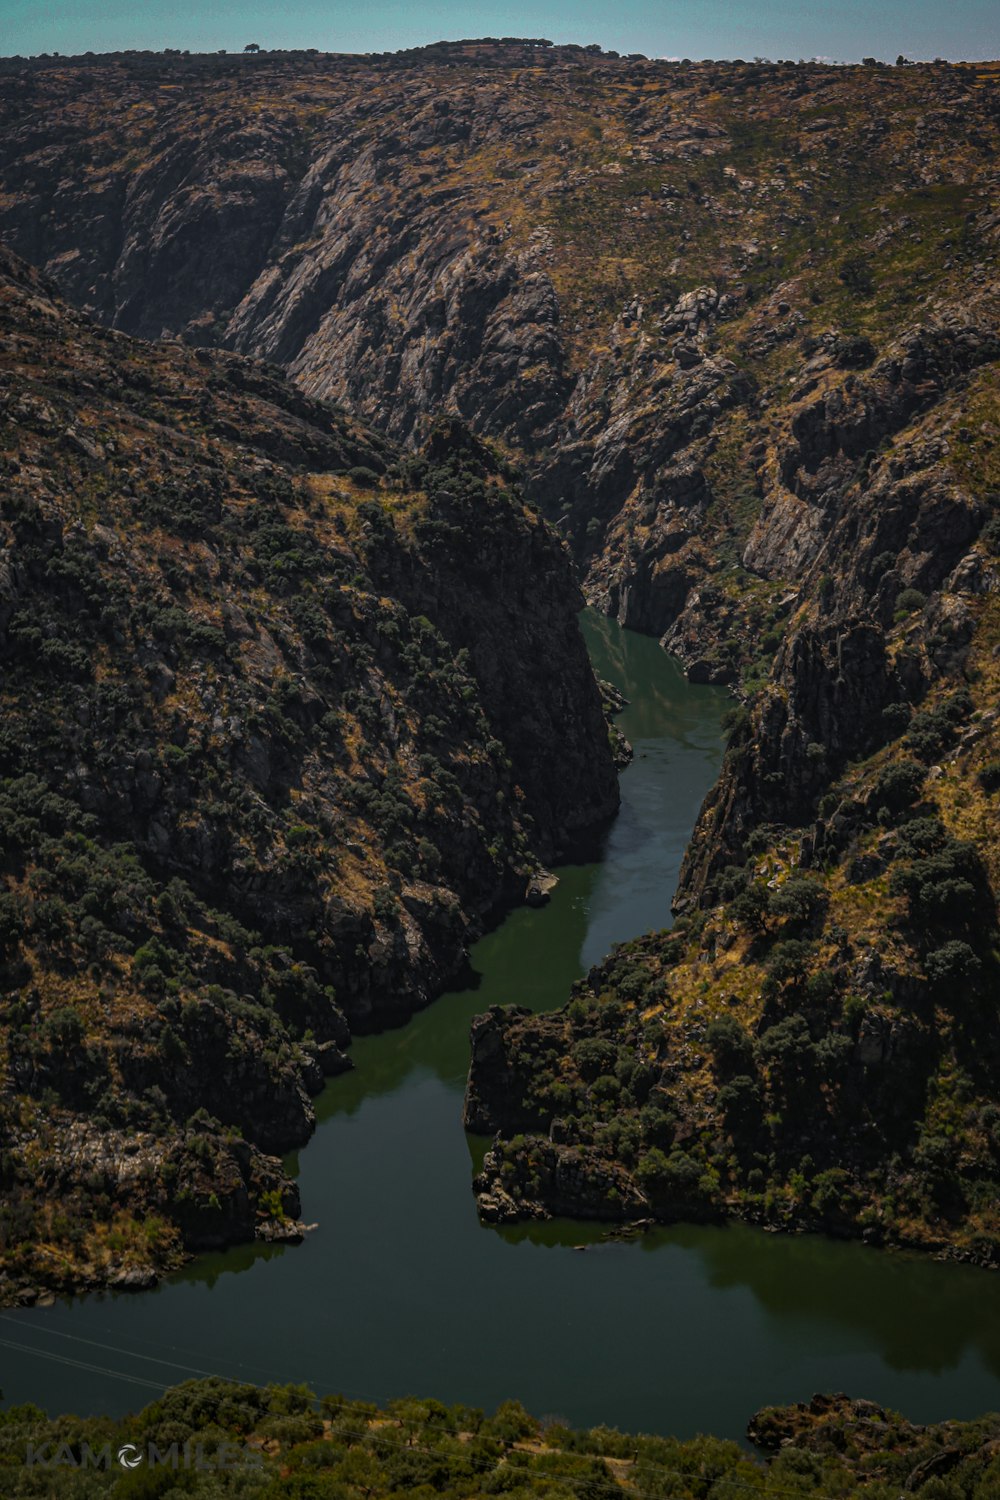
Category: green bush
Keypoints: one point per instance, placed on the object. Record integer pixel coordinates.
(741, 1102)
(798, 898)
(910, 600)
(989, 776)
(788, 961)
(953, 963)
(897, 787)
(730, 1044)
(856, 274)
(594, 1056)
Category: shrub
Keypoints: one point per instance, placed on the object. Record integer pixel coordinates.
(63, 1029)
(895, 717)
(751, 906)
(897, 786)
(788, 960)
(635, 983)
(989, 776)
(787, 1046)
(856, 275)
(953, 963)
(799, 898)
(594, 1056)
(942, 886)
(882, 564)
(677, 1174)
(741, 1102)
(658, 1126)
(832, 1191)
(730, 1045)
(920, 836)
(910, 600)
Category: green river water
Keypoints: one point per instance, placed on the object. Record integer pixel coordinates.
(401, 1290)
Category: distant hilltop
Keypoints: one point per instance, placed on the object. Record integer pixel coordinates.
(541, 51)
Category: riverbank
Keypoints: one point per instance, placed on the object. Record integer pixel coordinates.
(402, 1289)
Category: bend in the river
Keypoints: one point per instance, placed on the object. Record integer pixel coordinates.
(401, 1289)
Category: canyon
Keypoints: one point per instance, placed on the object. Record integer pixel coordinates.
(730, 330)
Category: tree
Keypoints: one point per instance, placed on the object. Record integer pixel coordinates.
(788, 961)
(954, 963)
(252, 47)
(798, 898)
(910, 600)
(856, 275)
(750, 907)
(897, 786)
(730, 1045)
(740, 1102)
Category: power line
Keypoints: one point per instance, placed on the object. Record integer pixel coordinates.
(64, 1359)
(112, 1349)
(573, 1481)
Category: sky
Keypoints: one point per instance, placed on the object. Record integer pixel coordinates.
(841, 30)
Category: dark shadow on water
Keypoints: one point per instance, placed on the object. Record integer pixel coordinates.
(922, 1315)
(207, 1268)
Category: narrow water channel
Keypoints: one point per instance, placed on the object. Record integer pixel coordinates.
(401, 1290)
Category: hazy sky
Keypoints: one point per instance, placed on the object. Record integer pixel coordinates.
(840, 29)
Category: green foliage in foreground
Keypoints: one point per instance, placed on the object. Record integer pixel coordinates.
(350, 1450)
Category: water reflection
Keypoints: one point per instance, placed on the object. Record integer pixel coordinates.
(922, 1315)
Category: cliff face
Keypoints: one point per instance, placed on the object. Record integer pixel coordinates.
(886, 499)
(815, 1045)
(628, 270)
(273, 702)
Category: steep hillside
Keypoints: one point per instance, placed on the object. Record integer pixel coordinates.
(816, 1043)
(632, 272)
(283, 719)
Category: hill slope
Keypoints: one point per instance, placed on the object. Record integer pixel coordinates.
(627, 270)
(273, 710)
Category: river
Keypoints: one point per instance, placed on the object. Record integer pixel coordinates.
(401, 1290)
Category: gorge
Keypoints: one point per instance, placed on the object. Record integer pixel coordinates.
(399, 1287)
(331, 387)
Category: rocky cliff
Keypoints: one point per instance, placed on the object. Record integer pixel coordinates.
(815, 1043)
(273, 707)
(628, 270)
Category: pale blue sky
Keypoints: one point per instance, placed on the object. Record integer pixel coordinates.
(841, 29)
